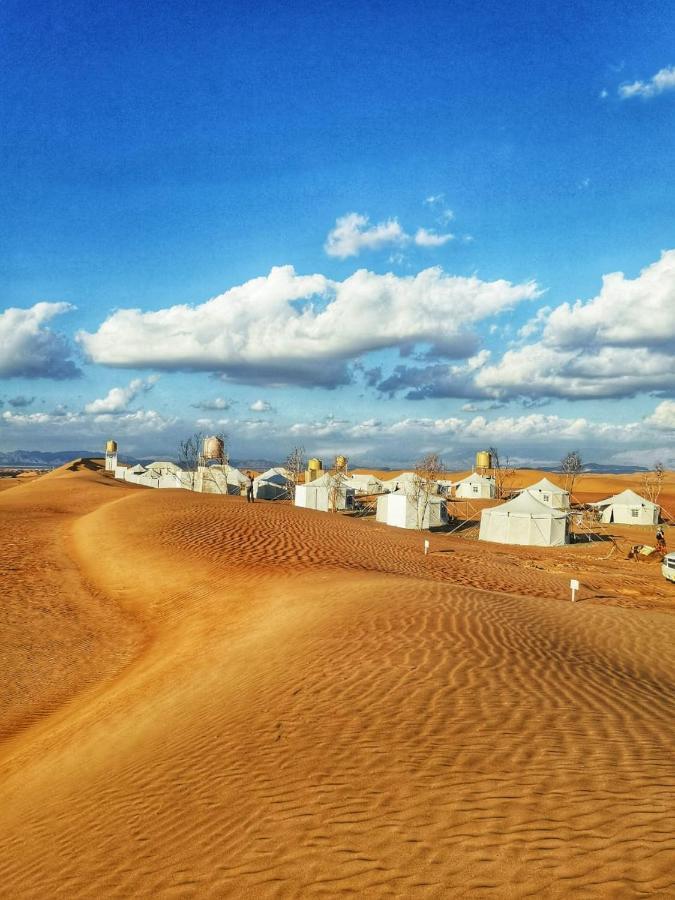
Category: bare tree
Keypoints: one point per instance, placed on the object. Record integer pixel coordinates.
(571, 466)
(652, 482)
(503, 473)
(295, 466)
(428, 470)
(336, 482)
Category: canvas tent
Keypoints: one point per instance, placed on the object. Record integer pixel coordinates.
(404, 480)
(524, 520)
(365, 483)
(628, 508)
(274, 484)
(327, 494)
(475, 486)
(404, 510)
(550, 494)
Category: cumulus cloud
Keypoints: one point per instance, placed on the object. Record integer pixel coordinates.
(29, 349)
(663, 417)
(261, 406)
(118, 399)
(218, 403)
(627, 312)
(304, 329)
(353, 233)
(538, 370)
(617, 344)
(137, 422)
(439, 380)
(424, 238)
(660, 83)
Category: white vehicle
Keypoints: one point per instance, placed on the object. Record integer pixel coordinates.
(668, 566)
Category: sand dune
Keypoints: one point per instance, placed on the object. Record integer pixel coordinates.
(217, 699)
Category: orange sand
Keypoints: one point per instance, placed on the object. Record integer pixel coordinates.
(204, 698)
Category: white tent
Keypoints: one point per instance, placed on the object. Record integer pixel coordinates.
(274, 484)
(628, 508)
(403, 481)
(550, 494)
(404, 510)
(326, 494)
(365, 483)
(478, 487)
(524, 520)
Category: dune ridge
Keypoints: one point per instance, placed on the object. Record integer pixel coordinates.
(310, 707)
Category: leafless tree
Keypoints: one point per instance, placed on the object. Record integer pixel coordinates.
(295, 466)
(428, 470)
(503, 473)
(571, 466)
(336, 482)
(652, 482)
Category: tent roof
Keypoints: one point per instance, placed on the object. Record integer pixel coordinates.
(625, 498)
(138, 469)
(548, 486)
(526, 504)
(474, 476)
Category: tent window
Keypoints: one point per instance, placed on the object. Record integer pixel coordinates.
(546, 497)
(475, 488)
(635, 513)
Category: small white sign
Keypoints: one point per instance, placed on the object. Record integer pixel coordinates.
(426, 547)
(574, 584)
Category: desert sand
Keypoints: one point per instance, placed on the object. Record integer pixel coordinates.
(204, 698)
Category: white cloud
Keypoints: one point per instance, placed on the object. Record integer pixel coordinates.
(218, 403)
(136, 422)
(626, 312)
(29, 349)
(261, 406)
(424, 238)
(538, 370)
(618, 344)
(662, 81)
(118, 399)
(434, 199)
(303, 329)
(354, 233)
(663, 417)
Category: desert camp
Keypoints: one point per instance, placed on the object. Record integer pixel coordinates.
(337, 451)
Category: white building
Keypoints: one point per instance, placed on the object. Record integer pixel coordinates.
(476, 487)
(550, 494)
(405, 510)
(524, 520)
(628, 508)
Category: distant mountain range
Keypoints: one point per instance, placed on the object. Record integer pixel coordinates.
(40, 459)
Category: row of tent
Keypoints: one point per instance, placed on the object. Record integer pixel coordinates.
(528, 520)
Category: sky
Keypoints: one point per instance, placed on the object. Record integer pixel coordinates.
(377, 228)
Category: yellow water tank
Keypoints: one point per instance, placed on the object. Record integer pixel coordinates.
(483, 459)
(341, 463)
(314, 467)
(111, 447)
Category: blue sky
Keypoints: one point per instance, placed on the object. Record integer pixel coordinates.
(485, 165)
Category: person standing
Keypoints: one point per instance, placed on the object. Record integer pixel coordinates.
(249, 489)
(661, 542)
